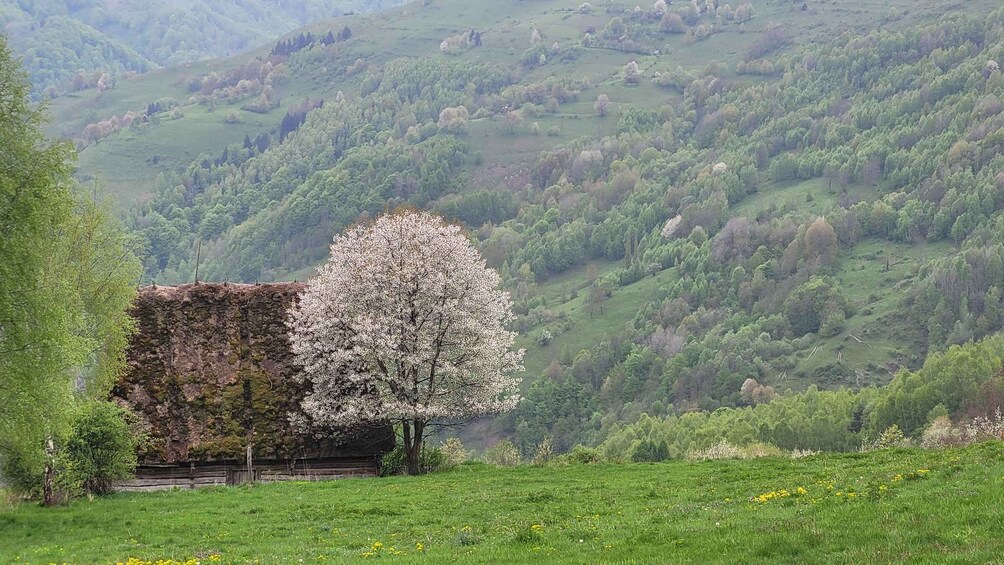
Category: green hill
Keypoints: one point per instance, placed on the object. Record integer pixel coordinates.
(879, 507)
(68, 46)
(791, 193)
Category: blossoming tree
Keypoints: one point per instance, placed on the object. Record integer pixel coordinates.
(405, 323)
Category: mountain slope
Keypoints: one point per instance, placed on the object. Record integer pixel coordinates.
(818, 203)
(68, 46)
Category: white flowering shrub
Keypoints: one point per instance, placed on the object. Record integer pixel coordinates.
(721, 450)
(725, 450)
(985, 428)
(455, 44)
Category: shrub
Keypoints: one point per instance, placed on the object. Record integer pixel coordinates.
(544, 451)
(502, 454)
(891, 437)
(431, 460)
(721, 450)
(20, 476)
(760, 449)
(650, 451)
(101, 449)
(984, 428)
(584, 455)
(544, 338)
(454, 453)
(940, 433)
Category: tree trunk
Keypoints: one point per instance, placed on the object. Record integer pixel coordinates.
(50, 455)
(413, 445)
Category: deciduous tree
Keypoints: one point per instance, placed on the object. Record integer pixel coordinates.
(406, 324)
(67, 275)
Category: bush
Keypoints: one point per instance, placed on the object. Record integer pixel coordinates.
(584, 455)
(650, 451)
(431, 460)
(502, 454)
(544, 451)
(891, 437)
(940, 433)
(454, 453)
(21, 476)
(100, 449)
(721, 450)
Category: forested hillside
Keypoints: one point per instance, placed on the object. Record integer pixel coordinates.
(70, 46)
(694, 206)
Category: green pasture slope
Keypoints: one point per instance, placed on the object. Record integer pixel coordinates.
(127, 164)
(902, 506)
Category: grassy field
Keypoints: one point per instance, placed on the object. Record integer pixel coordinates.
(887, 506)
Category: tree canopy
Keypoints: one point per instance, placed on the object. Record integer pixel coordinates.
(67, 275)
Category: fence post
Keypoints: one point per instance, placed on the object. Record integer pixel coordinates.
(250, 469)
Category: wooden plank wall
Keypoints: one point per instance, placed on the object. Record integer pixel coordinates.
(190, 476)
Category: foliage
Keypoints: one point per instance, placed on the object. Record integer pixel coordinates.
(891, 437)
(100, 448)
(431, 460)
(454, 453)
(953, 380)
(67, 275)
(583, 455)
(405, 324)
(544, 452)
(502, 454)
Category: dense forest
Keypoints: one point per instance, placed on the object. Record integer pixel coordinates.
(728, 246)
(69, 46)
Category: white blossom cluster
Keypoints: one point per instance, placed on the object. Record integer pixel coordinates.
(405, 323)
(669, 229)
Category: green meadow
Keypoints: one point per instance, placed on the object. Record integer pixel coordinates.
(896, 505)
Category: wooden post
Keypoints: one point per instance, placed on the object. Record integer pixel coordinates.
(250, 470)
(198, 256)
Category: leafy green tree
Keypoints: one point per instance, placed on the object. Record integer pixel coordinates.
(814, 303)
(67, 276)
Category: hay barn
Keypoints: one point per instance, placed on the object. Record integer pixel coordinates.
(209, 375)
